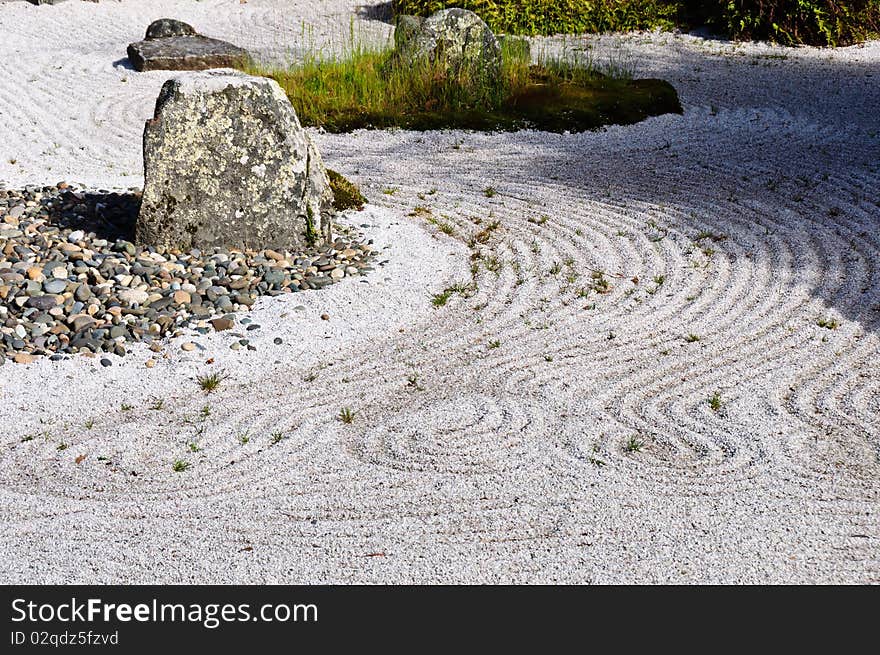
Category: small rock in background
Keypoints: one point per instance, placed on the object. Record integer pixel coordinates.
(174, 45)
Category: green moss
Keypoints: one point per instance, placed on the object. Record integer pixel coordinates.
(364, 89)
(346, 195)
(311, 232)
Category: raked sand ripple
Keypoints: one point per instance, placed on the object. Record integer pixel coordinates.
(747, 222)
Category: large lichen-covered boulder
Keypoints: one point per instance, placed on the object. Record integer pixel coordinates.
(174, 45)
(458, 39)
(227, 164)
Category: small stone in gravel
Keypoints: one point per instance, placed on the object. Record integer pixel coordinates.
(24, 358)
(325, 317)
(150, 363)
(106, 362)
(189, 346)
(55, 286)
(278, 341)
(133, 296)
(221, 324)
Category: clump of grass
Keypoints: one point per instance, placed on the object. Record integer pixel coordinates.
(715, 401)
(277, 436)
(440, 299)
(194, 447)
(346, 195)
(495, 343)
(180, 465)
(244, 439)
(366, 87)
(692, 338)
(346, 415)
(828, 323)
(210, 382)
(125, 407)
(600, 283)
(157, 404)
(634, 444)
(490, 192)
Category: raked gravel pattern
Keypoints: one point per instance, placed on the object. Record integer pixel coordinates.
(554, 420)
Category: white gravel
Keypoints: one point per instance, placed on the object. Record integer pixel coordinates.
(504, 463)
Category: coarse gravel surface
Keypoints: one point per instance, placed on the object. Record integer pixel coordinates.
(668, 369)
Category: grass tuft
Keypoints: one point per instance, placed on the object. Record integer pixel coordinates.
(365, 87)
(210, 382)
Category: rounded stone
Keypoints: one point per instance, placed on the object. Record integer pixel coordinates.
(55, 286)
(168, 27)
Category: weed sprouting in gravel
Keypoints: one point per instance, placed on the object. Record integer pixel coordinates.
(209, 382)
(634, 444)
(828, 323)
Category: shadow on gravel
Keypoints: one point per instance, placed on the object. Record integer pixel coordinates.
(110, 215)
(381, 12)
(784, 172)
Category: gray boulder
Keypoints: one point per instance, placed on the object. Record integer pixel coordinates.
(174, 45)
(168, 27)
(457, 38)
(227, 164)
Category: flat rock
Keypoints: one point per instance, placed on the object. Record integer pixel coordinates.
(194, 52)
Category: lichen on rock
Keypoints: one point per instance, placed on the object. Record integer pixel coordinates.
(227, 164)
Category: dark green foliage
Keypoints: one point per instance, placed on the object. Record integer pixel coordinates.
(346, 195)
(556, 16)
(790, 22)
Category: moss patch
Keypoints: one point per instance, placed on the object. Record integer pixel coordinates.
(365, 89)
(346, 195)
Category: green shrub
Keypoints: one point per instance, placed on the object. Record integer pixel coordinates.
(790, 22)
(556, 16)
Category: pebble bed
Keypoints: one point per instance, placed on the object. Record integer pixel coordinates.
(72, 281)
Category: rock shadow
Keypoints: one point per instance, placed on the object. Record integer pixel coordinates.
(111, 215)
(381, 12)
